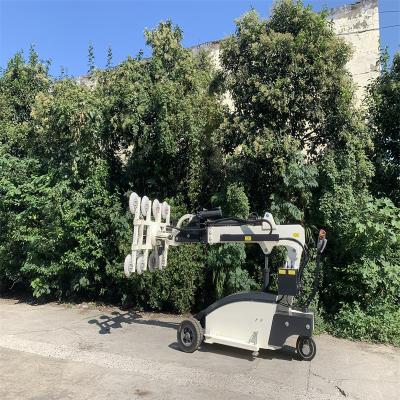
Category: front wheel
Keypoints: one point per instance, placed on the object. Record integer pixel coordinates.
(189, 335)
(306, 348)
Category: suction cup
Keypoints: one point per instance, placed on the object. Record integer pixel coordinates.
(140, 264)
(144, 207)
(152, 261)
(134, 202)
(128, 265)
(164, 209)
(156, 208)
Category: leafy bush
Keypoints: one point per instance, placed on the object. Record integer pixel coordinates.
(380, 323)
(178, 286)
(384, 122)
(367, 281)
(226, 265)
(237, 203)
(58, 239)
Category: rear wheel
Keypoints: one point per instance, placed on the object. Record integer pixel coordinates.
(189, 335)
(306, 348)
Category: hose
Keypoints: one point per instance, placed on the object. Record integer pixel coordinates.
(183, 218)
(315, 285)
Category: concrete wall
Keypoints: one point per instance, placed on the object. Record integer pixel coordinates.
(358, 24)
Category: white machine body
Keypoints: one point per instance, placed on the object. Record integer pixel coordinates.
(250, 331)
(250, 320)
(253, 321)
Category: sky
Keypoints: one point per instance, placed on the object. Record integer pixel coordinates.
(61, 31)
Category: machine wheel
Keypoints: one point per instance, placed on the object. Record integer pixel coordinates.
(189, 335)
(306, 348)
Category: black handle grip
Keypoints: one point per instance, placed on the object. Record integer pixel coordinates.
(215, 213)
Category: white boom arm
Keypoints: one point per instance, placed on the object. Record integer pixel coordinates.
(153, 234)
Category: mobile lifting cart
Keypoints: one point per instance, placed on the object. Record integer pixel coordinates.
(249, 320)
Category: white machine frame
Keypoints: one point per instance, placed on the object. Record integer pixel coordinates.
(252, 320)
(151, 221)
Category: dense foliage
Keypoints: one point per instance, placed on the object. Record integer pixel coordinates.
(292, 143)
(384, 121)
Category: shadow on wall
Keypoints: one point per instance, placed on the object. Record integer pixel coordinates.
(107, 323)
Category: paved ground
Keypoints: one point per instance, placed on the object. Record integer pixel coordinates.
(59, 352)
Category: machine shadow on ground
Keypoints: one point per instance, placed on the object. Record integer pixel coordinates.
(287, 353)
(107, 323)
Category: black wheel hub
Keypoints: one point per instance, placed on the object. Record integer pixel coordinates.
(187, 336)
(306, 347)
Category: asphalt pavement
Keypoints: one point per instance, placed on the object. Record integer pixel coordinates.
(85, 351)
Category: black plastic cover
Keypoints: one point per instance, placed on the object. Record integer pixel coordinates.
(288, 281)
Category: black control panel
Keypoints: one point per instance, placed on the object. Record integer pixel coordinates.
(288, 281)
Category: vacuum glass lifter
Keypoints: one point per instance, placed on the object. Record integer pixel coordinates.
(248, 320)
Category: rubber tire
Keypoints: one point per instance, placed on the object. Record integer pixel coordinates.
(195, 330)
(299, 347)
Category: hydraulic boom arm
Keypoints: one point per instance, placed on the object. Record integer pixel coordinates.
(153, 234)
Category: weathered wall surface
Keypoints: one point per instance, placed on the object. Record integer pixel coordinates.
(358, 24)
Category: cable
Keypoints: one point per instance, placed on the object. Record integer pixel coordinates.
(269, 223)
(280, 301)
(303, 263)
(364, 73)
(367, 30)
(218, 221)
(293, 240)
(253, 214)
(240, 222)
(315, 285)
